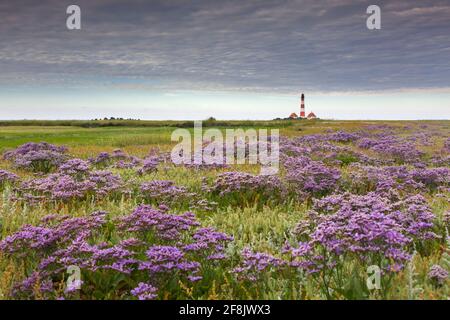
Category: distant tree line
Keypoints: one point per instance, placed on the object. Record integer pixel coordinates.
(115, 119)
(121, 122)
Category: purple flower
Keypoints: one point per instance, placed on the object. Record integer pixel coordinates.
(64, 187)
(247, 186)
(363, 227)
(446, 218)
(164, 259)
(74, 167)
(150, 165)
(128, 163)
(164, 225)
(438, 275)
(119, 154)
(36, 282)
(144, 291)
(342, 136)
(447, 145)
(255, 263)
(164, 191)
(102, 159)
(104, 182)
(7, 177)
(388, 145)
(305, 175)
(43, 238)
(73, 286)
(37, 157)
(209, 242)
(433, 177)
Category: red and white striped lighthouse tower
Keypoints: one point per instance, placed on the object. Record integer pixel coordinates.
(302, 107)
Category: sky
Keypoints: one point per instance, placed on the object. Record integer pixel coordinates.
(230, 59)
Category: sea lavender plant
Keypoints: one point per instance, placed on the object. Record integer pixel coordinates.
(446, 147)
(119, 154)
(146, 220)
(144, 291)
(438, 275)
(54, 231)
(432, 177)
(362, 230)
(169, 247)
(446, 218)
(7, 177)
(37, 157)
(103, 159)
(128, 163)
(164, 192)
(209, 242)
(244, 187)
(313, 177)
(150, 165)
(256, 264)
(104, 182)
(343, 136)
(161, 259)
(64, 187)
(74, 167)
(391, 146)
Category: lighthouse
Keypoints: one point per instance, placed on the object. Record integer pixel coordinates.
(302, 114)
(302, 107)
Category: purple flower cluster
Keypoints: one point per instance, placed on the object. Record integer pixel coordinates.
(432, 177)
(164, 225)
(37, 157)
(164, 192)
(64, 186)
(383, 180)
(387, 180)
(74, 167)
(102, 159)
(128, 163)
(446, 147)
(446, 218)
(391, 146)
(440, 160)
(118, 159)
(169, 246)
(104, 182)
(209, 241)
(167, 259)
(119, 155)
(7, 177)
(438, 275)
(246, 185)
(254, 264)
(369, 229)
(61, 242)
(313, 177)
(54, 230)
(343, 136)
(144, 291)
(150, 165)
(323, 147)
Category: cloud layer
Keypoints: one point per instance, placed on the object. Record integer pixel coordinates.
(263, 46)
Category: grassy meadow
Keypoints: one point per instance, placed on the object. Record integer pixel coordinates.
(263, 225)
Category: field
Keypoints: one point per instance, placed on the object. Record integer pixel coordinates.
(352, 198)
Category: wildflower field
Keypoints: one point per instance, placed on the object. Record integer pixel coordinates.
(349, 196)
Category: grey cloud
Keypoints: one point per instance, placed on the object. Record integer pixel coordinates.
(271, 46)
